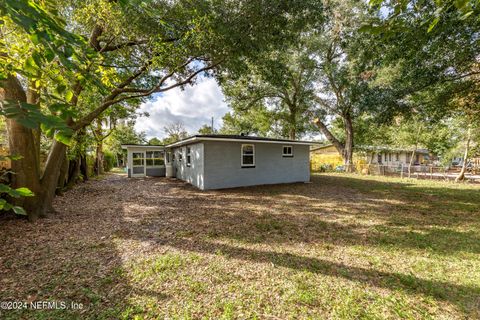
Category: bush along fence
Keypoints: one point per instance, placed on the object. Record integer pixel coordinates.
(402, 171)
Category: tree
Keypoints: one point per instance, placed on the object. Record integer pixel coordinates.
(256, 120)
(281, 84)
(119, 53)
(155, 141)
(175, 132)
(206, 129)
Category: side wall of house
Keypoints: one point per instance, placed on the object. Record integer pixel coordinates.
(222, 165)
(194, 173)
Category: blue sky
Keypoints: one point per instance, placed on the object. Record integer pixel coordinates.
(194, 106)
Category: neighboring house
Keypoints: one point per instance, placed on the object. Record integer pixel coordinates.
(223, 161)
(375, 155)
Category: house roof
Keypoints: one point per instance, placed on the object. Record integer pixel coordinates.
(236, 138)
(146, 146)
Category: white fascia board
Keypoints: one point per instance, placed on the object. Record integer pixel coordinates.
(133, 146)
(251, 141)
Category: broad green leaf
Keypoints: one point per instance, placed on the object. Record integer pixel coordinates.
(63, 137)
(19, 210)
(25, 192)
(69, 95)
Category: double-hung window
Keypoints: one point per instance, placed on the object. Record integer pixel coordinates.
(287, 151)
(180, 155)
(189, 156)
(248, 155)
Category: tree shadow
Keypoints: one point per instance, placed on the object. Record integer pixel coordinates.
(207, 222)
(70, 257)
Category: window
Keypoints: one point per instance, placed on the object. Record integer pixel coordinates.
(248, 155)
(138, 159)
(385, 155)
(389, 157)
(397, 156)
(167, 157)
(154, 158)
(287, 151)
(189, 156)
(180, 155)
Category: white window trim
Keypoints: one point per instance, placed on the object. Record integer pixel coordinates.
(188, 156)
(287, 155)
(241, 156)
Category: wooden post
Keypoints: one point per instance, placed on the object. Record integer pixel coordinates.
(401, 172)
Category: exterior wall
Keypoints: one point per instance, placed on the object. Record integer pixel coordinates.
(404, 157)
(223, 165)
(194, 173)
(157, 171)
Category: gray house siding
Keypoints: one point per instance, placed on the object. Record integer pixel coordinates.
(194, 173)
(222, 165)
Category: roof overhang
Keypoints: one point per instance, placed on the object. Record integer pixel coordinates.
(142, 146)
(198, 139)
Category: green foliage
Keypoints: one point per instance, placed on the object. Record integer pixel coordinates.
(206, 129)
(175, 132)
(155, 141)
(124, 134)
(109, 160)
(6, 190)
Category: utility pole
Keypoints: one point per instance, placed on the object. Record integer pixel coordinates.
(213, 130)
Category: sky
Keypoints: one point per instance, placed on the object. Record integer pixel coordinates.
(194, 106)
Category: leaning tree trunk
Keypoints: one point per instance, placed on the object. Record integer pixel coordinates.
(412, 156)
(330, 137)
(22, 142)
(348, 150)
(461, 175)
(50, 176)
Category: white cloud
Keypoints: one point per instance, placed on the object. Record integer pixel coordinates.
(194, 106)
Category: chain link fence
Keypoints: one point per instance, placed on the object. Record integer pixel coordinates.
(401, 170)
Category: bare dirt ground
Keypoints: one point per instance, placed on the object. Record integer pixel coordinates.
(340, 247)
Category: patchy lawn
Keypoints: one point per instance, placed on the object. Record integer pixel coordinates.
(343, 247)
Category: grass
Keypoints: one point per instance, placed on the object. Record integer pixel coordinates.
(342, 247)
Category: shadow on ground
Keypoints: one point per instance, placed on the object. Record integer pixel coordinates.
(80, 254)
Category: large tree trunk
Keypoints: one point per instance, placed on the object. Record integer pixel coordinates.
(73, 172)
(348, 148)
(99, 159)
(330, 137)
(84, 167)
(63, 175)
(461, 175)
(50, 176)
(22, 142)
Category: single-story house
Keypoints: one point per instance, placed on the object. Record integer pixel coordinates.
(382, 155)
(223, 161)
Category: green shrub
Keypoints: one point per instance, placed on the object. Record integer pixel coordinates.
(108, 161)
